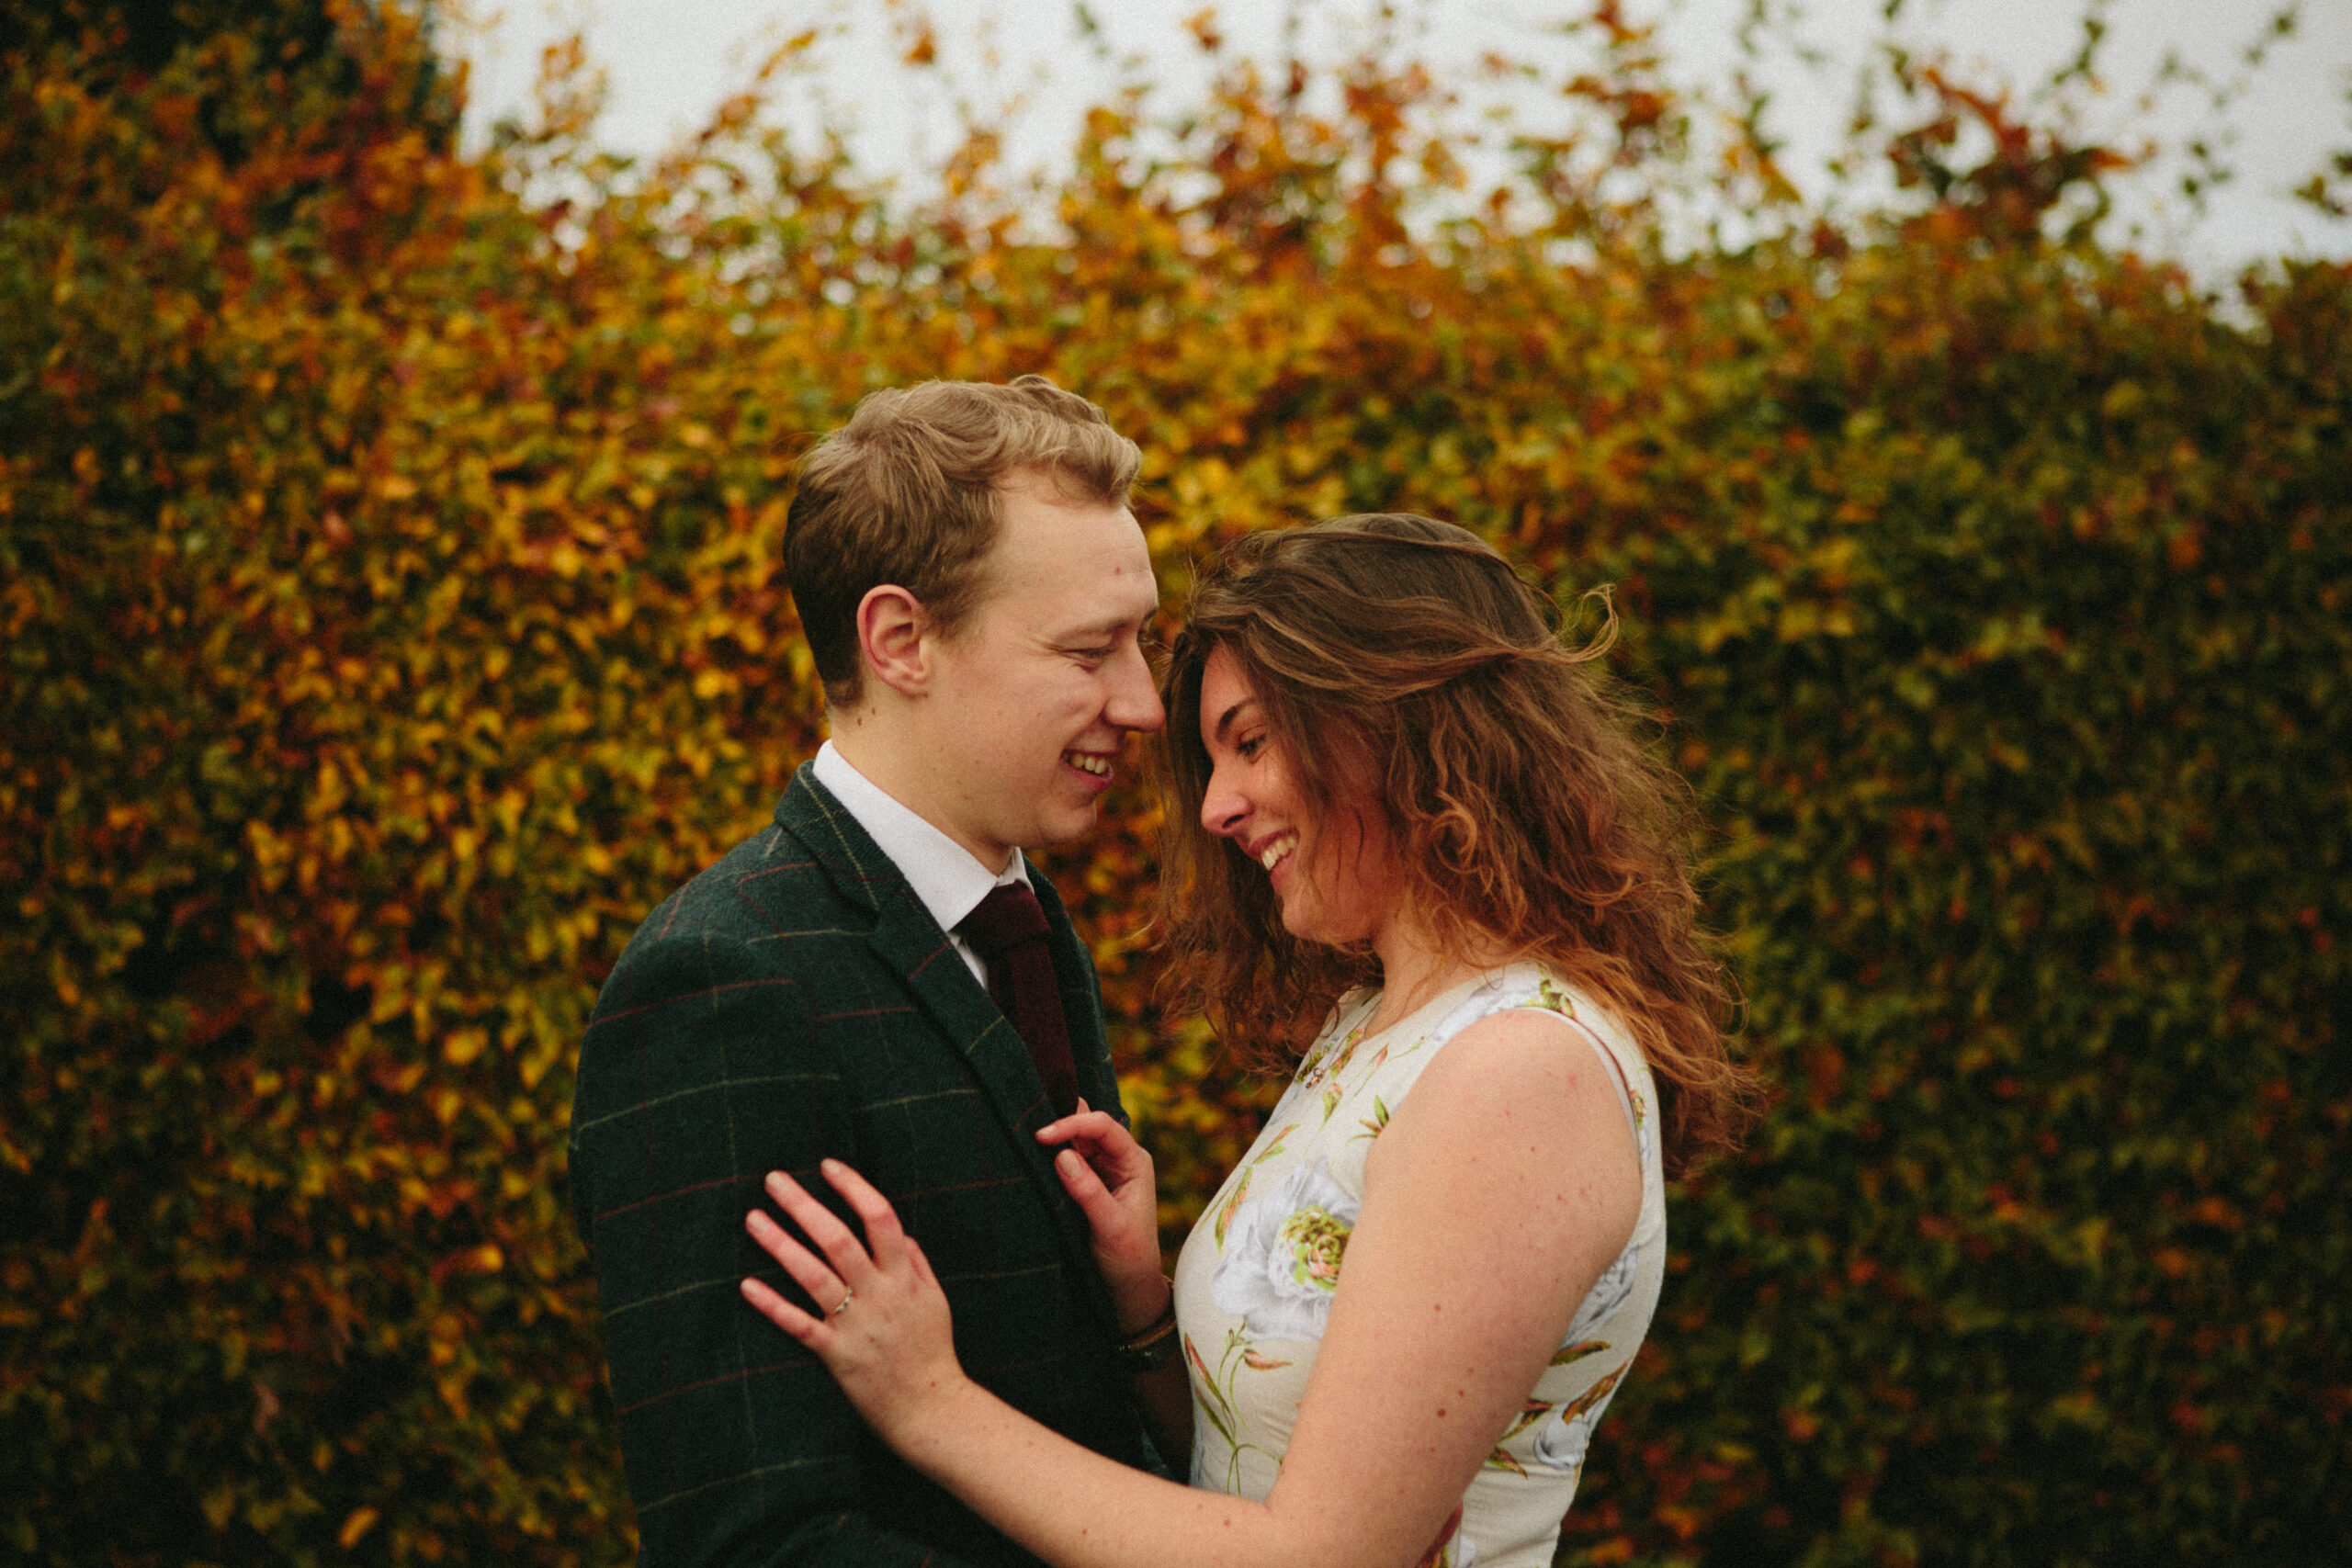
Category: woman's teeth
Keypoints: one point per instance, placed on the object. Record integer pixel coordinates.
(1275, 851)
(1099, 766)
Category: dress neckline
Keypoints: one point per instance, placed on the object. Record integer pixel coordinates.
(1368, 1002)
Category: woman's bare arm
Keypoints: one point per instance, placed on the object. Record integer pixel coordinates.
(1505, 1184)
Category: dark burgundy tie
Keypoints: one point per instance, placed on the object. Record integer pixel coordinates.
(1008, 930)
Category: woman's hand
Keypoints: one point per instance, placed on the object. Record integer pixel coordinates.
(1111, 1176)
(886, 1337)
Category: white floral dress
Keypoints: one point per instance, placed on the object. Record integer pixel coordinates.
(1255, 1281)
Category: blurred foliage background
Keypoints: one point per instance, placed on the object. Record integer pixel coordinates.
(390, 580)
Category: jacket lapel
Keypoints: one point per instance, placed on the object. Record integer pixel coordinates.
(852, 860)
(906, 938)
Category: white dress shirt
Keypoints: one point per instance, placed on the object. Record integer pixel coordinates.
(943, 873)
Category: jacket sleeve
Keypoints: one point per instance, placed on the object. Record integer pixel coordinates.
(699, 1074)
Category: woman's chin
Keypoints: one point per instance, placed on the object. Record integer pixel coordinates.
(1302, 923)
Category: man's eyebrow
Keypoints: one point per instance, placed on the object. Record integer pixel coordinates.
(1108, 625)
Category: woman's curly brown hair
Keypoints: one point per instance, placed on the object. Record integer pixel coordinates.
(1401, 658)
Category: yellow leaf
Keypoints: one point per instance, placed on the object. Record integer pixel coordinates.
(361, 1521)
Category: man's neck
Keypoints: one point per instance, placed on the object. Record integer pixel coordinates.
(889, 762)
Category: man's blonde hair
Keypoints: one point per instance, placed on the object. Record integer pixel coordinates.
(907, 493)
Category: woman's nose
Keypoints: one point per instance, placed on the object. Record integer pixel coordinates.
(1223, 810)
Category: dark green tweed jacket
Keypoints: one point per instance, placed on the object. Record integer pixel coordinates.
(794, 1001)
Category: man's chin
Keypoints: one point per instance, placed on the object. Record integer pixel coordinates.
(1066, 824)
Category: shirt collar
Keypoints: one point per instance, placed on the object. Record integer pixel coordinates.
(943, 873)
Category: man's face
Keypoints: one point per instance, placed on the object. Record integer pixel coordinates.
(1035, 693)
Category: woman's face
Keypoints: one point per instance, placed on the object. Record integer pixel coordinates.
(1336, 879)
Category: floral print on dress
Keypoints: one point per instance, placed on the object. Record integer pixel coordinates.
(1216, 1406)
(1282, 1257)
(1608, 1293)
(1227, 1210)
(1561, 1443)
(1330, 1060)
(1255, 1283)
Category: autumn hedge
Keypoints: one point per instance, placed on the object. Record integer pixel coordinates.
(393, 615)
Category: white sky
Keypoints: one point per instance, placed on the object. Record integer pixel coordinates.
(669, 63)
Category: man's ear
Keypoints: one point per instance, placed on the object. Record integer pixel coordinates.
(894, 638)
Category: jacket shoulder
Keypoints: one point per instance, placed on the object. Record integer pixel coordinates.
(746, 891)
(738, 918)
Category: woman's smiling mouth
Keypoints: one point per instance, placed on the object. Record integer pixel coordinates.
(1270, 853)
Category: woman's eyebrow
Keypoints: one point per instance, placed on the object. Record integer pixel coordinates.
(1232, 713)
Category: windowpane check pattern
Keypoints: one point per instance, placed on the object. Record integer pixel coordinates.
(796, 1001)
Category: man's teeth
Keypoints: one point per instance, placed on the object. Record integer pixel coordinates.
(1099, 766)
(1278, 849)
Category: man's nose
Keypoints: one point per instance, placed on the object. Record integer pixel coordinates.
(1135, 700)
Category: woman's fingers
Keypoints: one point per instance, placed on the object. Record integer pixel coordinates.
(783, 1313)
(1124, 1233)
(880, 1324)
(1079, 1181)
(885, 1241)
(847, 1264)
(834, 1239)
(823, 1284)
(1088, 1126)
(1104, 1143)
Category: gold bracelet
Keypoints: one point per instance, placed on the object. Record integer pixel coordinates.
(1148, 1350)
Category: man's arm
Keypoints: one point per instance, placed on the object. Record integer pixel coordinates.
(700, 1073)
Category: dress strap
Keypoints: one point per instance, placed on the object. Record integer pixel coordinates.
(1497, 995)
(1617, 1080)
